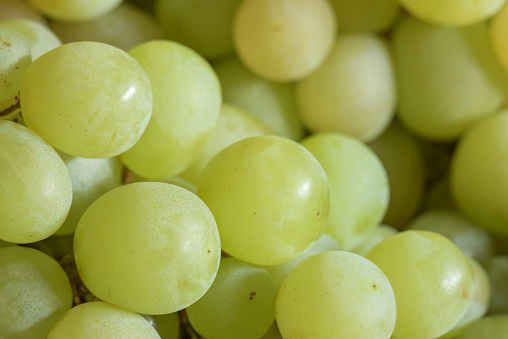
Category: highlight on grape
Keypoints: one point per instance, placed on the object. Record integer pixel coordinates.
(254, 169)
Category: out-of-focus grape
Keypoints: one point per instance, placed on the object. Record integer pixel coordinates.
(497, 269)
(439, 195)
(379, 234)
(74, 10)
(19, 9)
(494, 326)
(365, 15)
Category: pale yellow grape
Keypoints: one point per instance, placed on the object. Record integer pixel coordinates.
(152, 248)
(19, 9)
(34, 293)
(234, 124)
(74, 10)
(90, 179)
(479, 174)
(15, 57)
(203, 25)
(352, 92)
(186, 105)
(432, 280)
(98, 319)
(498, 38)
(359, 191)
(497, 269)
(271, 102)
(35, 186)
(270, 199)
(87, 99)
(280, 272)
(336, 295)
(239, 304)
(402, 158)
(452, 12)
(494, 326)
(40, 38)
(448, 78)
(379, 234)
(284, 40)
(473, 240)
(166, 325)
(125, 27)
(365, 15)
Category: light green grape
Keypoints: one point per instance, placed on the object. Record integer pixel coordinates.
(19, 9)
(494, 326)
(40, 38)
(452, 12)
(152, 248)
(74, 10)
(203, 25)
(359, 190)
(90, 179)
(125, 27)
(497, 30)
(271, 102)
(473, 240)
(283, 40)
(336, 295)
(270, 199)
(352, 92)
(447, 78)
(479, 174)
(497, 269)
(167, 325)
(186, 107)
(36, 190)
(98, 112)
(432, 280)
(34, 293)
(365, 15)
(379, 234)
(233, 125)
(239, 304)
(280, 272)
(102, 320)
(131, 177)
(15, 57)
(401, 155)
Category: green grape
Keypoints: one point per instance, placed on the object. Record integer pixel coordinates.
(447, 78)
(125, 27)
(479, 174)
(352, 92)
(336, 295)
(270, 199)
(365, 15)
(233, 125)
(99, 111)
(452, 12)
(186, 107)
(497, 30)
(379, 234)
(90, 179)
(6, 244)
(19, 9)
(34, 293)
(36, 190)
(239, 304)
(359, 190)
(402, 158)
(280, 272)
(283, 40)
(271, 102)
(151, 248)
(497, 269)
(15, 57)
(432, 280)
(203, 25)
(40, 38)
(74, 10)
(102, 320)
(473, 240)
(439, 195)
(272, 333)
(167, 325)
(494, 326)
(131, 177)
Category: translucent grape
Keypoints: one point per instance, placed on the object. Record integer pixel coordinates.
(365, 15)
(187, 101)
(98, 112)
(167, 325)
(379, 234)
(336, 295)
(239, 304)
(151, 248)
(34, 293)
(494, 326)
(283, 40)
(36, 190)
(269, 196)
(74, 10)
(102, 320)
